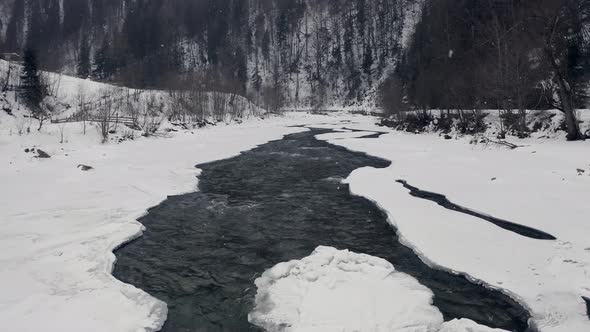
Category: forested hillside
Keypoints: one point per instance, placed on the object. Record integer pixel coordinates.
(496, 54)
(274, 51)
(464, 54)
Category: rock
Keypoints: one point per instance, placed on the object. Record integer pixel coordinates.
(42, 154)
(27, 150)
(494, 179)
(581, 171)
(448, 137)
(85, 168)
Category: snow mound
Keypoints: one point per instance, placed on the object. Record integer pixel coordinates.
(466, 325)
(338, 290)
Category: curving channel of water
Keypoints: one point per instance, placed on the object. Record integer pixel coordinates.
(202, 251)
(443, 201)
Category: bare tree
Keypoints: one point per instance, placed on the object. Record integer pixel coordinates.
(51, 83)
(130, 101)
(176, 105)
(151, 117)
(562, 25)
(107, 117)
(5, 81)
(43, 113)
(219, 106)
(83, 111)
(199, 102)
(62, 128)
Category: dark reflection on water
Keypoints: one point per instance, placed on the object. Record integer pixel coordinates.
(201, 252)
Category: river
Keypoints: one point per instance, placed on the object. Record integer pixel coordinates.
(202, 251)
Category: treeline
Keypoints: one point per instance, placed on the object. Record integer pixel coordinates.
(464, 54)
(510, 55)
(299, 52)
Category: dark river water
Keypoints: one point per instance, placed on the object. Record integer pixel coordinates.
(201, 252)
(443, 201)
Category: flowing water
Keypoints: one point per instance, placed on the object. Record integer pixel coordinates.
(201, 252)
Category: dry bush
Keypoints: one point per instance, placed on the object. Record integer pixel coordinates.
(151, 118)
(20, 124)
(219, 106)
(200, 101)
(236, 106)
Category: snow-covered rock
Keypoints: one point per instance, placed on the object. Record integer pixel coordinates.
(465, 325)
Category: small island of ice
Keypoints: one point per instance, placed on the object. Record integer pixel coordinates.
(338, 290)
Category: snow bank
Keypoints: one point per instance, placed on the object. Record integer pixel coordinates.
(546, 124)
(465, 325)
(333, 290)
(544, 184)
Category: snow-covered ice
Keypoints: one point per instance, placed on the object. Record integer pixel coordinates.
(338, 290)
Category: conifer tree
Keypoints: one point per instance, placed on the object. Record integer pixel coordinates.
(83, 66)
(32, 91)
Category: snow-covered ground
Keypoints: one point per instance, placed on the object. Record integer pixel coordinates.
(59, 224)
(544, 184)
(336, 291)
(67, 93)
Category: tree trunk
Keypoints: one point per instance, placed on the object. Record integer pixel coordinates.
(41, 119)
(5, 87)
(573, 128)
(566, 98)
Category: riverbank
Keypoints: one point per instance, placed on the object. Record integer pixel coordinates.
(543, 184)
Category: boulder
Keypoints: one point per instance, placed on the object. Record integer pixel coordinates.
(42, 154)
(85, 168)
